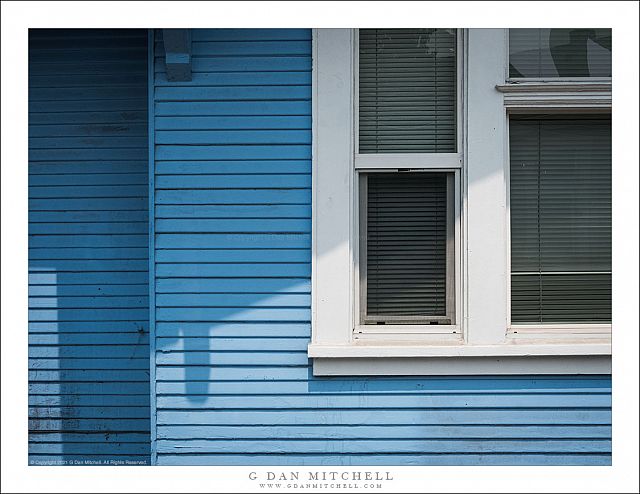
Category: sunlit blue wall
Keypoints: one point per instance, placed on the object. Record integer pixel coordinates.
(233, 253)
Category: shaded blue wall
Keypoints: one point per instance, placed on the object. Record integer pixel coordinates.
(233, 253)
(88, 246)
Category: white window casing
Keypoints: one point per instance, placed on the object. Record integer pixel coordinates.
(482, 342)
(332, 187)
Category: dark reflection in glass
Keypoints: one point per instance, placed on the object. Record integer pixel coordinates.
(563, 53)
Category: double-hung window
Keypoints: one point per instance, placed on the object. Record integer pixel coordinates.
(461, 201)
(407, 155)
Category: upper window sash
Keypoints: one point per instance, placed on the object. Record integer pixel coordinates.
(407, 160)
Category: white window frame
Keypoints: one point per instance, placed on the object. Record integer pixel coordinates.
(483, 344)
(423, 162)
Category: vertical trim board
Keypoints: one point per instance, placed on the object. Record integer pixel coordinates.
(152, 250)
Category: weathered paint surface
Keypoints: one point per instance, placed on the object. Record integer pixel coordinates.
(233, 252)
(88, 246)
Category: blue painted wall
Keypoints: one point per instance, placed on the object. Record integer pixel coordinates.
(232, 248)
(88, 246)
(232, 280)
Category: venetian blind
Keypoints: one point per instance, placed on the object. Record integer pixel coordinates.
(407, 86)
(560, 220)
(567, 53)
(406, 226)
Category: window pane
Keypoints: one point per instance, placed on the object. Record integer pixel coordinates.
(564, 53)
(407, 85)
(406, 227)
(561, 220)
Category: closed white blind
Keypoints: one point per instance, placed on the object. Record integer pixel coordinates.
(563, 53)
(406, 226)
(561, 220)
(407, 86)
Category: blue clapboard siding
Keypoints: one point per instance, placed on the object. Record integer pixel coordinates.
(233, 251)
(88, 246)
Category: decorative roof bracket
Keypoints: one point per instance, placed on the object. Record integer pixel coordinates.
(177, 47)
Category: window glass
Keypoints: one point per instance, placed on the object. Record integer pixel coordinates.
(405, 228)
(560, 203)
(407, 91)
(562, 53)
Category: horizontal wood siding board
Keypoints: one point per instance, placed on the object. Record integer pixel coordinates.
(216, 79)
(88, 221)
(331, 401)
(88, 376)
(365, 416)
(333, 432)
(375, 459)
(233, 250)
(394, 446)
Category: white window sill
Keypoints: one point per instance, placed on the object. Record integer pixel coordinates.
(592, 357)
(368, 349)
